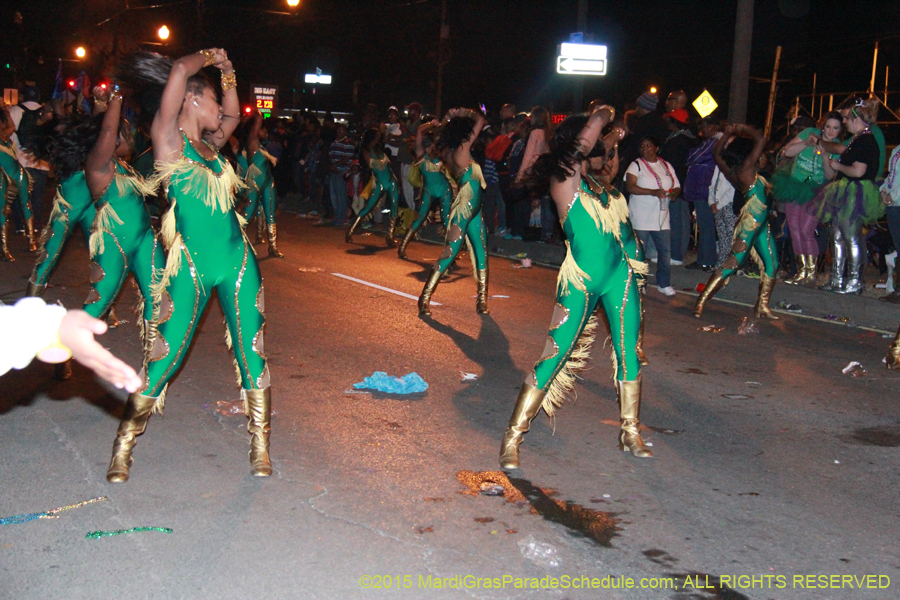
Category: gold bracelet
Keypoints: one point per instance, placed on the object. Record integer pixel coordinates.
(210, 57)
(229, 81)
(100, 103)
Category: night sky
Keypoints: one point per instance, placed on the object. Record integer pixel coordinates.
(500, 50)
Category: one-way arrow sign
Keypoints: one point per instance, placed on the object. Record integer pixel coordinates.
(578, 66)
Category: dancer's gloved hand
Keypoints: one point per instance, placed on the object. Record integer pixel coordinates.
(77, 331)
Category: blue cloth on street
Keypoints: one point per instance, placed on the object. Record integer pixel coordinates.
(381, 381)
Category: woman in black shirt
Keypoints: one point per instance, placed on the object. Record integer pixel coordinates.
(852, 199)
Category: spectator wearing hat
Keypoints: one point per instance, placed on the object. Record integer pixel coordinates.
(676, 149)
(647, 123)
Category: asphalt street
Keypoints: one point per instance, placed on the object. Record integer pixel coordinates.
(775, 476)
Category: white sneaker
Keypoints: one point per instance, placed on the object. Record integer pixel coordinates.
(653, 260)
(667, 291)
(676, 263)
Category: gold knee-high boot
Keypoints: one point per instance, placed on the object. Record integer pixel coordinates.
(349, 236)
(481, 276)
(629, 393)
(802, 271)
(260, 228)
(29, 234)
(762, 309)
(4, 243)
(715, 283)
(35, 290)
(811, 269)
(424, 300)
(528, 404)
(258, 408)
(273, 236)
(389, 236)
(893, 356)
(134, 422)
(401, 251)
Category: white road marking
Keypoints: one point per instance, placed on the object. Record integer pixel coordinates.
(382, 288)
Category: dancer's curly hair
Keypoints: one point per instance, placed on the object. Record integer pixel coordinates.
(68, 150)
(457, 131)
(370, 134)
(737, 151)
(145, 74)
(564, 155)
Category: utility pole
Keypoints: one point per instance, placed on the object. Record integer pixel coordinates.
(773, 90)
(874, 64)
(443, 57)
(740, 66)
(578, 99)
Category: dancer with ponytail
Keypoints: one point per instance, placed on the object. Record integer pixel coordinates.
(382, 181)
(603, 267)
(257, 165)
(737, 155)
(207, 248)
(429, 173)
(461, 128)
(13, 174)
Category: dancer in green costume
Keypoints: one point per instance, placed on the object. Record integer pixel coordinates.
(13, 173)
(122, 240)
(207, 248)
(461, 128)
(737, 159)
(381, 181)
(603, 268)
(257, 165)
(430, 174)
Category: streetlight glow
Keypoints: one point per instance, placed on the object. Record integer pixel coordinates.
(80, 52)
(293, 3)
(653, 90)
(163, 33)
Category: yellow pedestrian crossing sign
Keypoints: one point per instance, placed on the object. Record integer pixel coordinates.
(705, 104)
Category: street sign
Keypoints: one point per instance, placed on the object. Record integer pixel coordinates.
(581, 59)
(265, 97)
(705, 104)
(318, 78)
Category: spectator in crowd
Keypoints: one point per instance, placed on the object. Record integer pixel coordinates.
(700, 169)
(675, 151)
(852, 199)
(29, 117)
(340, 155)
(647, 122)
(720, 200)
(413, 120)
(653, 185)
(890, 195)
(794, 186)
(507, 112)
(537, 143)
(501, 152)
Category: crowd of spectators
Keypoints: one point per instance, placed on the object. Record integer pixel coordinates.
(679, 201)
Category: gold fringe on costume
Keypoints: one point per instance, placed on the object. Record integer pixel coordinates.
(570, 274)
(563, 385)
(58, 212)
(250, 177)
(608, 219)
(106, 214)
(366, 192)
(160, 403)
(216, 189)
(415, 174)
(133, 182)
(462, 206)
(234, 361)
(172, 243)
